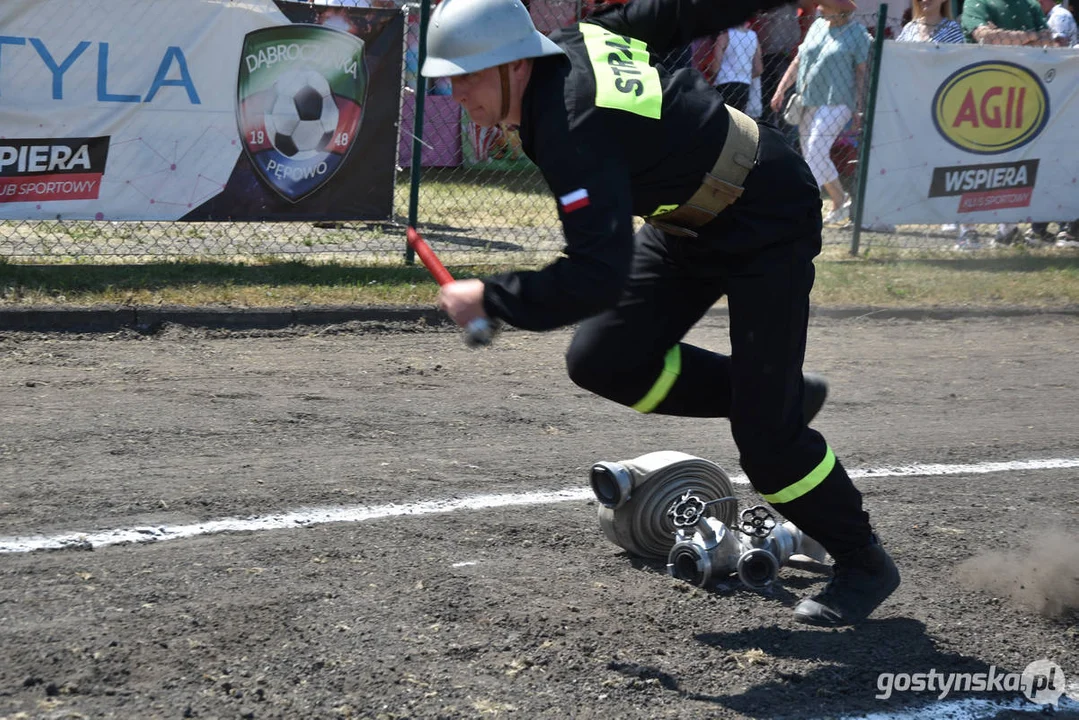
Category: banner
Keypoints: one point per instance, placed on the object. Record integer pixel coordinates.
(973, 134)
(165, 110)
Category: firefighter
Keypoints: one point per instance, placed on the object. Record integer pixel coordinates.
(730, 209)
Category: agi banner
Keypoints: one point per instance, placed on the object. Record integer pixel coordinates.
(197, 110)
(968, 133)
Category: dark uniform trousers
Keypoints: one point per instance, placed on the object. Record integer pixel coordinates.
(634, 354)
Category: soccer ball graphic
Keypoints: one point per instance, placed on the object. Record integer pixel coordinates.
(304, 115)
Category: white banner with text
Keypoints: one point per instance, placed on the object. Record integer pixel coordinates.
(197, 110)
(974, 134)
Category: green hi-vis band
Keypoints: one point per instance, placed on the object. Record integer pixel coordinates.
(810, 481)
(672, 366)
(624, 79)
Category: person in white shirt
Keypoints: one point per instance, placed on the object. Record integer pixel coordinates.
(1061, 22)
(736, 60)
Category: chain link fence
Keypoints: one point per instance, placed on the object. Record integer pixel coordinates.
(478, 190)
(480, 201)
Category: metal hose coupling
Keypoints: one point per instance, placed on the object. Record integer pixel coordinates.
(636, 498)
(707, 550)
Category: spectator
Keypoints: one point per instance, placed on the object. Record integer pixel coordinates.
(1066, 238)
(1005, 22)
(1038, 234)
(754, 108)
(779, 36)
(808, 12)
(736, 59)
(931, 21)
(829, 73)
(1061, 22)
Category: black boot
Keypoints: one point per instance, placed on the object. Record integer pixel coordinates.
(862, 580)
(814, 395)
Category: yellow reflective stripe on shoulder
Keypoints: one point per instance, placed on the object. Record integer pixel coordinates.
(672, 366)
(624, 79)
(810, 481)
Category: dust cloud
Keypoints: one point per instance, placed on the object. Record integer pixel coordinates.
(1043, 576)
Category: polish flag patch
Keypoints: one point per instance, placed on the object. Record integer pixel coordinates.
(574, 200)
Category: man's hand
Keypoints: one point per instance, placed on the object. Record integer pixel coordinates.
(777, 102)
(462, 300)
(1044, 38)
(990, 34)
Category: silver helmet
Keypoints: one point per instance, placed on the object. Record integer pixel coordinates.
(466, 36)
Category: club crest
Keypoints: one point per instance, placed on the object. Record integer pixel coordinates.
(300, 98)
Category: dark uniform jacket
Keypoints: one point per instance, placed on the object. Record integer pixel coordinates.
(615, 136)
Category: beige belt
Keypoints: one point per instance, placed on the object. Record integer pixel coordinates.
(722, 185)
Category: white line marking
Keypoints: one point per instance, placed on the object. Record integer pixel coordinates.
(967, 469)
(933, 470)
(363, 513)
(293, 519)
(966, 709)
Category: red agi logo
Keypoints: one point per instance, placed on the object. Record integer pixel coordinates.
(50, 169)
(301, 93)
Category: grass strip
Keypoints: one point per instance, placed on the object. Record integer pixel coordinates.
(1042, 279)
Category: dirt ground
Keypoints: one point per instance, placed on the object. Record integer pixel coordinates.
(518, 611)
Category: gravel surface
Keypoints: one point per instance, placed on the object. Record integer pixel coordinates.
(521, 610)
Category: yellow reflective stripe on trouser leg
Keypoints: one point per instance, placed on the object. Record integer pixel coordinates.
(672, 366)
(810, 481)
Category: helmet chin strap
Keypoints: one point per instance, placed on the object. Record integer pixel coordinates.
(504, 76)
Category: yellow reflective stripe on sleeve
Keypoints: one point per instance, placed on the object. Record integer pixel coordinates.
(810, 481)
(624, 79)
(672, 366)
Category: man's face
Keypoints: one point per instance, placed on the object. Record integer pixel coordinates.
(480, 93)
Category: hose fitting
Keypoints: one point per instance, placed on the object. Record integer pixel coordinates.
(706, 550)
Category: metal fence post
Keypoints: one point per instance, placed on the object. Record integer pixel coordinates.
(417, 129)
(867, 128)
